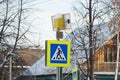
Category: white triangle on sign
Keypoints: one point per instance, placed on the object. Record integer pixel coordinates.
(59, 55)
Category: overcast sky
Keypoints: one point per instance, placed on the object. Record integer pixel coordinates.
(42, 23)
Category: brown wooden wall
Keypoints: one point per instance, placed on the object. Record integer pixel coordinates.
(105, 57)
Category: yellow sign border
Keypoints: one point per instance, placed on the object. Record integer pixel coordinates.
(49, 42)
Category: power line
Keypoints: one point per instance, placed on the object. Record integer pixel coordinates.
(33, 3)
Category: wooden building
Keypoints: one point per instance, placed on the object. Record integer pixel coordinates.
(105, 56)
(105, 60)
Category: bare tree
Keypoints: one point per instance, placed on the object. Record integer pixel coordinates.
(91, 16)
(12, 32)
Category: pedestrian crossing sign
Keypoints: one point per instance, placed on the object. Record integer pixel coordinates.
(57, 53)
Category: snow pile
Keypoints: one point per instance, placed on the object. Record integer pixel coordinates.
(39, 68)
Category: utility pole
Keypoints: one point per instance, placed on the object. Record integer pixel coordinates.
(10, 68)
(10, 54)
(117, 5)
(118, 50)
(117, 58)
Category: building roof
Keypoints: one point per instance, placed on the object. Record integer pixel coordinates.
(39, 68)
(30, 56)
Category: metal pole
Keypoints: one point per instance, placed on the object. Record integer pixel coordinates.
(59, 73)
(117, 60)
(10, 68)
(59, 69)
(117, 26)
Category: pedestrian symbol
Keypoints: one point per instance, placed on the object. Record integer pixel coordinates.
(59, 55)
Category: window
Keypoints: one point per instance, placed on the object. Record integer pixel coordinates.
(110, 53)
(105, 54)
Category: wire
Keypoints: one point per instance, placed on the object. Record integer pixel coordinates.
(33, 3)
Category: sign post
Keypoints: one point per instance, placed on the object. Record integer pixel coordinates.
(58, 55)
(58, 52)
(59, 69)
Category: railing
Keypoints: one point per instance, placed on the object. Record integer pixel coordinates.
(106, 67)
